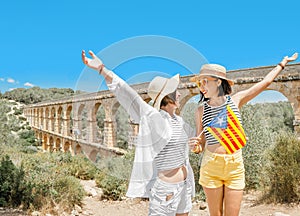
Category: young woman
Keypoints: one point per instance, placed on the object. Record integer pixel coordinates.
(222, 173)
(161, 169)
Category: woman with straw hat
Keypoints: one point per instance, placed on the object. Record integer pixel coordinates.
(221, 136)
(161, 168)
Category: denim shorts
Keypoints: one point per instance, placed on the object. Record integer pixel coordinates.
(167, 199)
(222, 169)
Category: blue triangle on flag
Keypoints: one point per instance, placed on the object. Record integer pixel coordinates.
(220, 121)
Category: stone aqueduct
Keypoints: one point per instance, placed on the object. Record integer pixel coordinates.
(57, 124)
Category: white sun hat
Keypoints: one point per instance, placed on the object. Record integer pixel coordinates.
(159, 87)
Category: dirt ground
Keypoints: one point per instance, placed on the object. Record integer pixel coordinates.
(137, 207)
(140, 208)
(92, 206)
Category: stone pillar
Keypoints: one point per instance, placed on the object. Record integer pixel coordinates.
(36, 118)
(67, 125)
(56, 124)
(41, 125)
(109, 133)
(48, 123)
(46, 119)
(64, 127)
(52, 124)
(45, 125)
(133, 133)
(73, 148)
(39, 120)
(44, 143)
(31, 119)
(76, 128)
(91, 131)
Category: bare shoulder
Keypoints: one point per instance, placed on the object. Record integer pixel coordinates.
(199, 114)
(238, 99)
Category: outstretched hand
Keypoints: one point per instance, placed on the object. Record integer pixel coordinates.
(292, 58)
(94, 62)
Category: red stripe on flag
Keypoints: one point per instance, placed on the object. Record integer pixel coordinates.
(231, 140)
(238, 125)
(236, 135)
(221, 138)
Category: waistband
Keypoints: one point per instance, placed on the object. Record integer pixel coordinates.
(171, 185)
(237, 154)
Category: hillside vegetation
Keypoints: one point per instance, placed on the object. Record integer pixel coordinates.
(37, 94)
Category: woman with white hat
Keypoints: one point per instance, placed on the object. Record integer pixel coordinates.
(161, 169)
(221, 136)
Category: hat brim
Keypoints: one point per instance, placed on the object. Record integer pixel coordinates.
(199, 76)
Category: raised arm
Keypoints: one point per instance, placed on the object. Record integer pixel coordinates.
(127, 97)
(242, 97)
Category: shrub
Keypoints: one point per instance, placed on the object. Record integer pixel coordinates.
(114, 175)
(282, 172)
(66, 191)
(28, 137)
(14, 190)
(113, 187)
(51, 181)
(82, 168)
(7, 175)
(18, 111)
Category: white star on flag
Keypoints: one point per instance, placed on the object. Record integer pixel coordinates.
(220, 120)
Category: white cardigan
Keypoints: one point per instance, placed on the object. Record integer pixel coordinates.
(154, 133)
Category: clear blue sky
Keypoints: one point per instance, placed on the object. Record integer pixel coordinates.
(41, 41)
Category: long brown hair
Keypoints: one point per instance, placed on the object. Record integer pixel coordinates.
(224, 88)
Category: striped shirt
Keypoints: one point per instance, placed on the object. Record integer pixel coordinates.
(173, 155)
(210, 112)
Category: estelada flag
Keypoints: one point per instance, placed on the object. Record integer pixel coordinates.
(228, 130)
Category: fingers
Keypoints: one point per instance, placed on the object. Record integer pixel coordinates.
(195, 145)
(194, 141)
(197, 149)
(83, 57)
(292, 58)
(197, 139)
(295, 56)
(92, 54)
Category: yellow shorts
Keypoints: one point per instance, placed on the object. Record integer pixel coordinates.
(222, 169)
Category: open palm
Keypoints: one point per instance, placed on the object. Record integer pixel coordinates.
(292, 58)
(94, 62)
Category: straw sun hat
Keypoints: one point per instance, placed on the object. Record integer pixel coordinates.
(159, 87)
(214, 70)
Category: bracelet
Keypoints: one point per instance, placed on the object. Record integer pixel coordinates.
(281, 65)
(101, 68)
